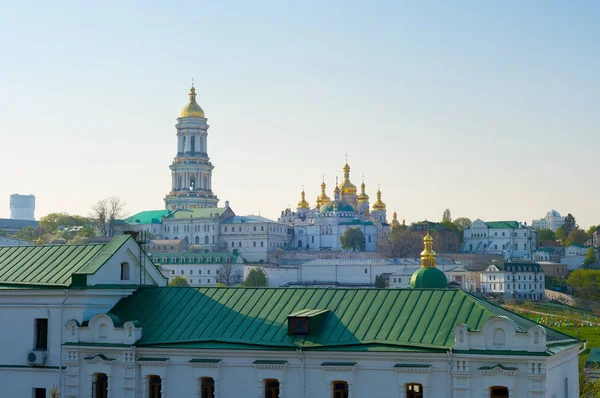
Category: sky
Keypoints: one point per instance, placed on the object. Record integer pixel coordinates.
(490, 109)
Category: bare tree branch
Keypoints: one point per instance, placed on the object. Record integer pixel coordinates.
(105, 212)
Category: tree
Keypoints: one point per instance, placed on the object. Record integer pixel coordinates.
(105, 212)
(462, 223)
(591, 230)
(447, 216)
(256, 278)
(585, 283)
(590, 257)
(576, 237)
(354, 239)
(227, 275)
(179, 281)
(28, 233)
(546, 234)
(51, 222)
(561, 234)
(569, 224)
(400, 243)
(379, 282)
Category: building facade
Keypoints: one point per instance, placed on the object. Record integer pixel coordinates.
(515, 280)
(22, 207)
(510, 239)
(552, 220)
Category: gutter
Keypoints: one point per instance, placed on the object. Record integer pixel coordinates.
(301, 357)
(450, 389)
(60, 367)
(585, 344)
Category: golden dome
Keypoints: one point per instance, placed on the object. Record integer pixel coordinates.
(303, 204)
(192, 109)
(379, 205)
(395, 222)
(346, 186)
(363, 197)
(428, 255)
(322, 198)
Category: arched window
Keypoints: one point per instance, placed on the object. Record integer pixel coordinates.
(124, 271)
(154, 386)
(461, 336)
(206, 240)
(499, 338)
(299, 243)
(197, 240)
(414, 390)
(340, 389)
(193, 144)
(271, 388)
(207, 387)
(100, 386)
(566, 387)
(536, 337)
(498, 392)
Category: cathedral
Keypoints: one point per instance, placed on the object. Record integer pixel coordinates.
(320, 227)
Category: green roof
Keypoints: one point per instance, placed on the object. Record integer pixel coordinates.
(148, 217)
(358, 319)
(198, 257)
(594, 357)
(503, 224)
(341, 206)
(428, 278)
(53, 265)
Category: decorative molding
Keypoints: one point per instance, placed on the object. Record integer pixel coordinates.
(100, 359)
(489, 370)
(153, 361)
(412, 368)
(339, 366)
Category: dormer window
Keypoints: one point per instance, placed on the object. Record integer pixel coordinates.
(306, 322)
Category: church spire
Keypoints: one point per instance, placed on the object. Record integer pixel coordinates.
(303, 204)
(427, 255)
(336, 191)
(322, 198)
(428, 276)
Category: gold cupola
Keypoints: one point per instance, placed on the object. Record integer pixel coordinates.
(336, 191)
(303, 204)
(395, 223)
(346, 187)
(379, 205)
(192, 109)
(322, 198)
(363, 197)
(428, 255)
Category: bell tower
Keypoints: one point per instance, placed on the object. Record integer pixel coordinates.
(191, 170)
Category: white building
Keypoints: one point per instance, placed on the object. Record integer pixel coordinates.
(79, 320)
(401, 278)
(576, 250)
(553, 220)
(22, 207)
(520, 280)
(337, 272)
(14, 242)
(510, 239)
(201, 268)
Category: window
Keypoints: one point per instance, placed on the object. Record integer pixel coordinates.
(232, 244)
(340, 389)
(100, 386)
(262, 244)
(39, 393)
(499, 339)
(41, 334)
(191, 272)
(498, 392)
(414, 390)
(124, 271)
(207, 387)
(254, 243)
(365, 270)
(299, 326)
(271, 388)
(206, 240)
(181, 272)
(154, 386)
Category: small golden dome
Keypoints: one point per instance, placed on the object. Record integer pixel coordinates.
(428, 255)
(303, 204)
(395, 222)
(192, 109)
(379, 205)
(322, 198)
(346, 186)
(363, 197)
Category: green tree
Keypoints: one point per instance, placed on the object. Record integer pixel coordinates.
(28, 233)
(561, 234)
(546, 234)
(462, 223)
(379, 282)
(590, 257)
(256, 278)
(447, 216)
(51, 222)
(569, 224)
(576, 237)
(179, 281)
(354, 239)
(591, 230)
(585, 283)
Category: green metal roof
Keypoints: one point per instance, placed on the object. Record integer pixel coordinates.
(503, 224)
(594, 357)
(148, 217)
(359, 319)
(53, 265)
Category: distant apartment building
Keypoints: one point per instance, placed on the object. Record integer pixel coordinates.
(510, 239)
(22, 207)
(553, 220)
(520, 280)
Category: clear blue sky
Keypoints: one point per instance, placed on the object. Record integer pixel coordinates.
(490, 109)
